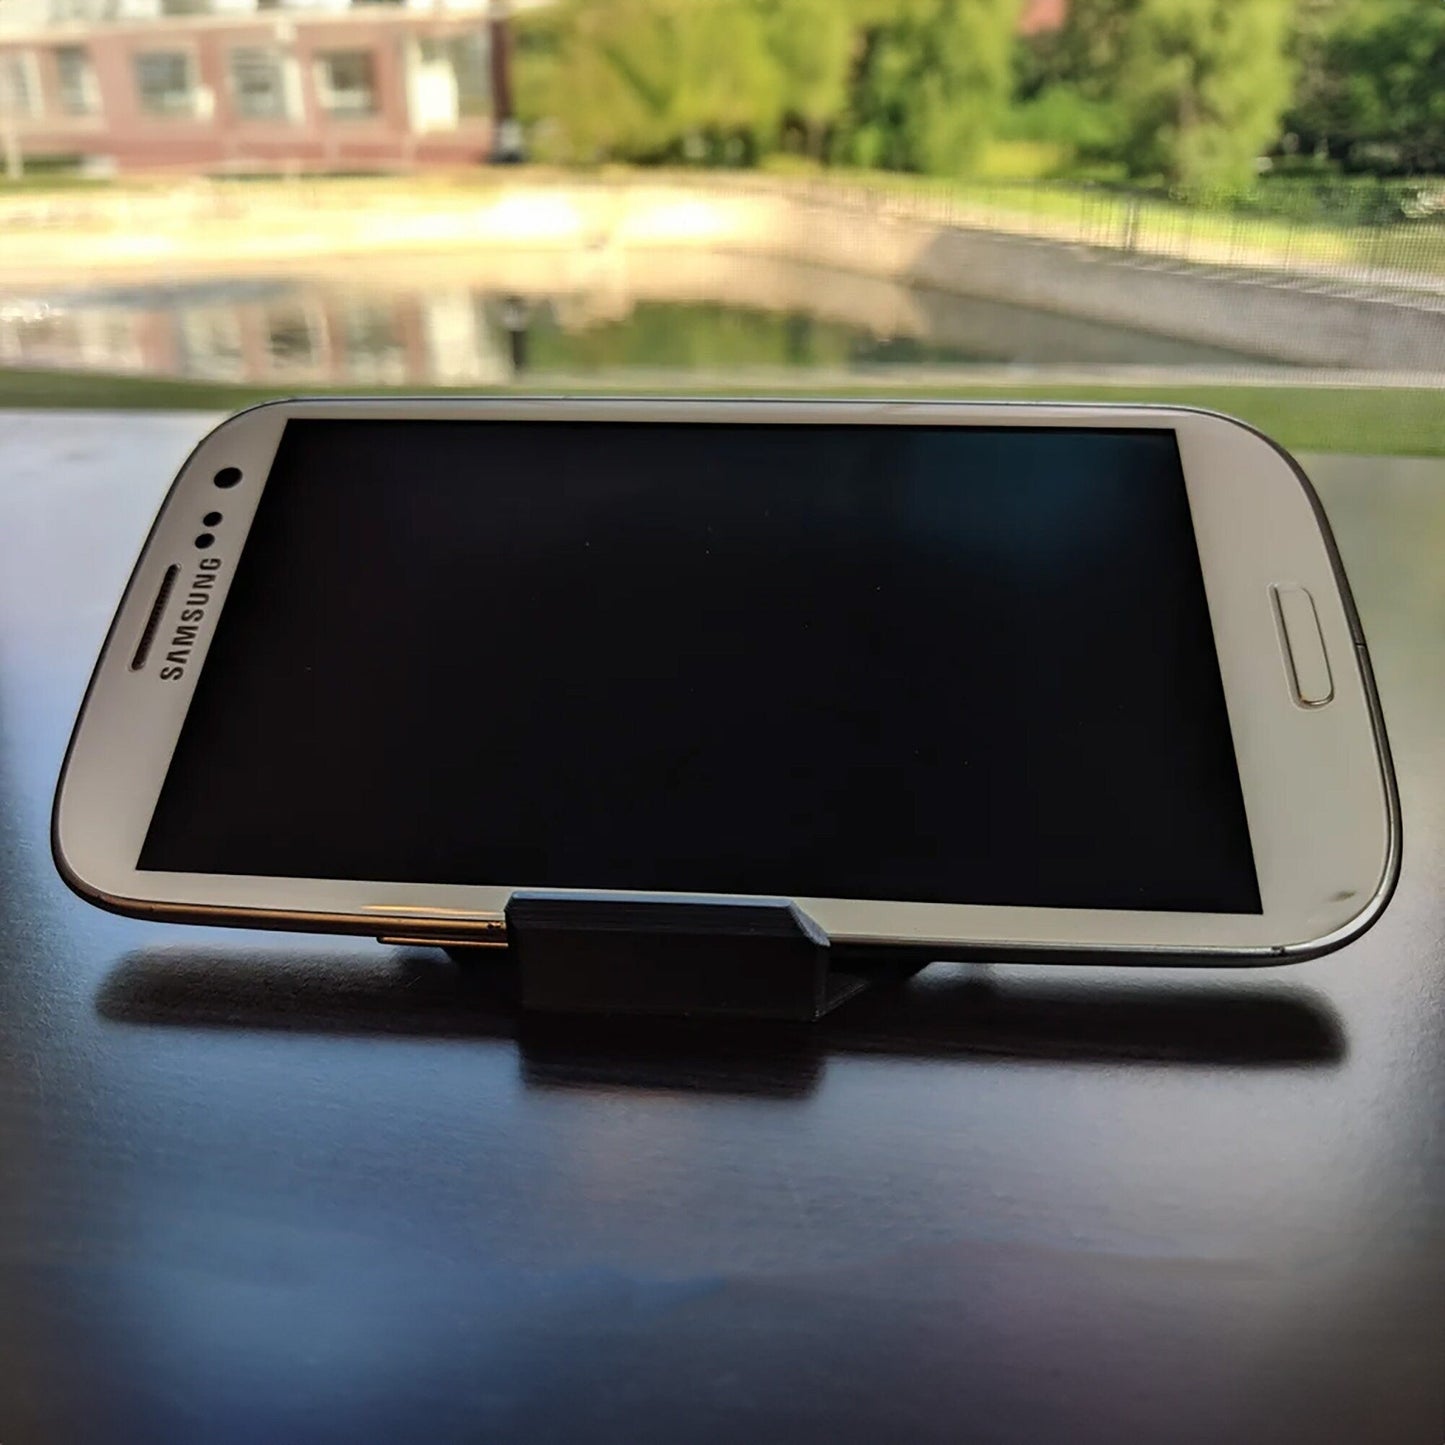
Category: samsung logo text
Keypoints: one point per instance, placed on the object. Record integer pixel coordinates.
(193, 610)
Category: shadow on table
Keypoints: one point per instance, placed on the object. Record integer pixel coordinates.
(946, 1011)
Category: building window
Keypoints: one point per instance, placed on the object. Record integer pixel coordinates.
(258, 84)
(165, 82)
(371, 342)
(19, 87)
(471, 59)
(346, 82)
(295, 339)
(210, 344)
(64, 11)
(75, 80)
(460, 63)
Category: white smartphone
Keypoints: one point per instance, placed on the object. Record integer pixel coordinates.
(1034, 681)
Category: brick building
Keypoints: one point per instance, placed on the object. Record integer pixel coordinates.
(217, 84)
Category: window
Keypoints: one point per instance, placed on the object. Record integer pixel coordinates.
(464, 62)
(19, 90)
(210, 344)
(258, 83)
(346, 82)
(75, 80)
(295, 337)
(371, 342)
(471, 59)
(63, 11)
(165, 83)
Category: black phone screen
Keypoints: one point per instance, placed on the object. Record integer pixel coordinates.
(939, 664)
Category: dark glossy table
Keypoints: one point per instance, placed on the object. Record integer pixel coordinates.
(287, 1190)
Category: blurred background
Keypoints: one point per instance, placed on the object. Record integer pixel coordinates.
(1234, 203)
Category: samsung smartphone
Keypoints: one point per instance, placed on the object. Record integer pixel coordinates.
(1001, 680)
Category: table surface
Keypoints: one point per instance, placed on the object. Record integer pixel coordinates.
(270, 1188)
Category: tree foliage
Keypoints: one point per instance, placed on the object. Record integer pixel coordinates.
(1372, 84)
(931, 85)
(918, 86)
(811, 43)
(1191, 92)
(1202, 86)
(642, 79)
(1195, 87)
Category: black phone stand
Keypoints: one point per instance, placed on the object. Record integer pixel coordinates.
(730, 958)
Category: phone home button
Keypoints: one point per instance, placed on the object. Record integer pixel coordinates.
(1304, 646)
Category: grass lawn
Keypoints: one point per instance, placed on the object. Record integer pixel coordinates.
(1365, 421)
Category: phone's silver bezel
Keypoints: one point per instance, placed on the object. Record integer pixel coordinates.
(1318, 789)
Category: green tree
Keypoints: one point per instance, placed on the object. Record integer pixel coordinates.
(611, 88)
(1315, 22)
(1201, 86)
(1190, 91)
(1064, 83)
(931, 84)
(651, 79)
(811, 42)
(1372, 91)
(1088, 49)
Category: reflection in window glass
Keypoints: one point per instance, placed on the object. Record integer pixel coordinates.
(164, 82)
(108, 339)
(51, 341)
(75, 80)
(346, 82)
(258, 83)
(293, 340)
(62, 11)
(210, 344)
(369, 334)
(452, 76)
(98, 339)
(19, 88)
(470, 61)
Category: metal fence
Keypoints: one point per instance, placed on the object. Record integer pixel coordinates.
(1368, 232)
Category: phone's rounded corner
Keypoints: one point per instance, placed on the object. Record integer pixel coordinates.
(270, 403)
(227, 424)
(1255, 433)
(1279, 451)
(76, 877)
(1360, 924)
(239, 427)
(82, 887)
(68, 874)
(1228, 417)
(1363, 921)
(1296, 470)
(243, 421)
